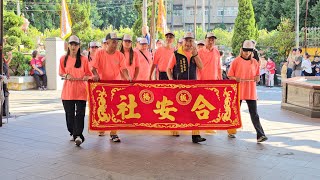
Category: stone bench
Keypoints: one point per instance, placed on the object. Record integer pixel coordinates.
(19, 83)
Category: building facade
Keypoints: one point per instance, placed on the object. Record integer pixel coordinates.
(181, 14)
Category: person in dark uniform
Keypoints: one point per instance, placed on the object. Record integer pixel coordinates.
(186, 57)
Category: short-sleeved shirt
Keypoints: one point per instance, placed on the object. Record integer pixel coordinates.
(38, 62)
(74, 90)
(145, 65)
(162, 57)
(271, 66)
(245, 70)
(107, 65)
(211, 64)
(135, 62)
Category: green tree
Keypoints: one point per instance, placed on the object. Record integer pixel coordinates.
(244, 26)
(81, 24)
(315, 13)
(118, 13)
(42, 14)
(138, 23)
(284, 39)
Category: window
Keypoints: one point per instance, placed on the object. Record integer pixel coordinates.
(228, 11)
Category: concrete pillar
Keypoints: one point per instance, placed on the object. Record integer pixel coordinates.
(54, 51)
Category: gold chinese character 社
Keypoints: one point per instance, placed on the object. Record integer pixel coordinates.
(124, 107)
(164, 110)
(200, 107)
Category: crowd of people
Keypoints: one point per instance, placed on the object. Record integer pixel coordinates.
(186, 61)
(298, 64)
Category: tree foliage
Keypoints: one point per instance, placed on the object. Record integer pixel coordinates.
(244, 26)
(269, 13)
(118, 13)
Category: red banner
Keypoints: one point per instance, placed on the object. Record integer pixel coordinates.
(164, 105)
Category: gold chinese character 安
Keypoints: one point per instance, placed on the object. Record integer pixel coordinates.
(164, 109)
(127, 110)
(202, 107)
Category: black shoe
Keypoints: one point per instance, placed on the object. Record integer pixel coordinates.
(115, 138)
(197, 139)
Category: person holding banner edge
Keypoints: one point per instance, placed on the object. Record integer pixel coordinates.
(245, 69)
(75, 70)
(107, 65)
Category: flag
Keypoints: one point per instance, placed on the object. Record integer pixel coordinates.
(162, 18)
(65, 21)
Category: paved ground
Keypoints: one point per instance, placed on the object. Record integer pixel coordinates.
(34, 145)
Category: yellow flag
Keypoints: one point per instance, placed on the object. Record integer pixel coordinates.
(65, 21)
(162, 18)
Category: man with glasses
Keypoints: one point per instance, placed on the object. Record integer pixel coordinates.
(107, 65)
(162, 57)
(183, 65)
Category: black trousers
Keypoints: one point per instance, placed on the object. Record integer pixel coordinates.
(163, 76)
(252, 106)
(263, 79)
(6, 94)
(40, 78)
(75, 112)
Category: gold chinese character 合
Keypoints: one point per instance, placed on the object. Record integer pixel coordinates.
(200, 105)
(164, 110)
(124, 107)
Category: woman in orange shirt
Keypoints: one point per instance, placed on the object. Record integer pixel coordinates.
(132, 57)
(74, 69)
(146, 60)
(245, 69)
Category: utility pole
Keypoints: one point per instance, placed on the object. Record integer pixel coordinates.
(183, 14)
(224, 3)
(297, 22)
(144, 12)
(203, 16)
(209, 11)
(18, 8)
(1, 51)
(153, 26)
(171, 15)
(195, 18)
(305, 25)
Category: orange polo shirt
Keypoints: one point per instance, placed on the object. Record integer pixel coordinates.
(211, 64)
(145, 65)
(135, 62)
(74, 90)
(245, 70)
(109, 65)
(173, 61)
(162, 57)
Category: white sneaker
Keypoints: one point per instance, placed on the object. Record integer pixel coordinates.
(71, 138)
(78, 141)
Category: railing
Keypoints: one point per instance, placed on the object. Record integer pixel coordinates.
(310, 38)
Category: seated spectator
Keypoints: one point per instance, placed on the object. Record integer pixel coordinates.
(317, 71)
(39, 71)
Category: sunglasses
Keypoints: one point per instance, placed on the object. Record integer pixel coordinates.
(94, 47)
(247, 50)
(127, 41)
